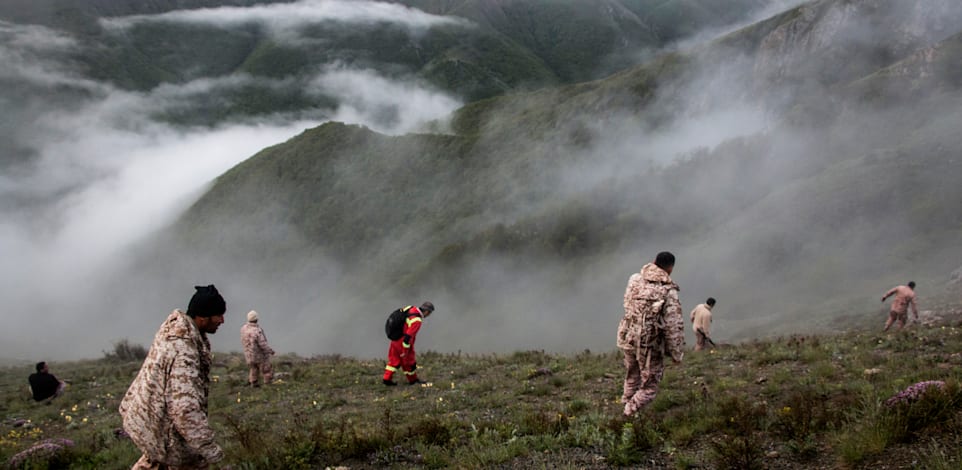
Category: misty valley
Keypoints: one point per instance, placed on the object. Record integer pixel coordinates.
(323, 162)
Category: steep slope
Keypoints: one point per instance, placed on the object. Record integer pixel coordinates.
(795, 215)
(586, 40)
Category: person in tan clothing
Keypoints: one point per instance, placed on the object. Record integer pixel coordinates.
(701, 322)
(651, 329)
(256, 351)
(165, 409)
(904, 296)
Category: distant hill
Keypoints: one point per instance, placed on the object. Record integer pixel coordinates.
(503, 47)
(824, 185)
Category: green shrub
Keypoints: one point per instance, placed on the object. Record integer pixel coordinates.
(802, 414)
(431, 431)
(741, 423)
(627, 440)
(543, 422)
(577, 406)
(935, 407)
(937, 457)
(863, 435)
(126, 351)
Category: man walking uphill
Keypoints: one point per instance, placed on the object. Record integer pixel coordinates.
(904, 296)
(256, 351)
(165, 408)
(401, 352)
(651, 329)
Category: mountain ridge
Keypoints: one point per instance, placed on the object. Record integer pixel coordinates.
(514, 145)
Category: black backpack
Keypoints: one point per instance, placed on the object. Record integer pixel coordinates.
(394, 327)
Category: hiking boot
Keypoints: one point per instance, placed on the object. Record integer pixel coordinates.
(389, 383)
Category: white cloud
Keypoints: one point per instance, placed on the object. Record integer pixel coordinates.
(282, 17)
(37, 55)
(381, 103)
(107, 174)
(34, 38)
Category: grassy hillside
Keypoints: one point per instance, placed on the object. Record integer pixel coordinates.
(585, 40)
(792, 402)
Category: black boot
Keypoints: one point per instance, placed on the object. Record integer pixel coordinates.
(389, 383)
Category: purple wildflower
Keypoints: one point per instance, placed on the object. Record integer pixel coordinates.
(43, 450)
(913, 392)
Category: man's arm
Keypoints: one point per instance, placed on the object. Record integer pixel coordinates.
(413, 325)
(631, 291)
(262, 343)
(915, 308)
(889, 293)
(185, 398)
(674, 326)
(708, 338)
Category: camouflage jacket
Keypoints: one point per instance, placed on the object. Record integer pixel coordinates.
(165, 408)
(653, 317)
(256, 349)
(904, 297)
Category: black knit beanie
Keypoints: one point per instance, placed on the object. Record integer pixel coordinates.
(206, 302)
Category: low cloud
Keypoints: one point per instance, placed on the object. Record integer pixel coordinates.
(383, 104)
(38, 55)
(103, 175)
(281, 18)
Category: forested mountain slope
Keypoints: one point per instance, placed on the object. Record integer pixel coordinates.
(787, 164)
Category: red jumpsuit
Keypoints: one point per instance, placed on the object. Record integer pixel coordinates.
(401, 352)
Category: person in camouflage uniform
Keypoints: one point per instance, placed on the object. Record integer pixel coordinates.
(165, 409)
(651, 328)
(904, 298)
(256, 351)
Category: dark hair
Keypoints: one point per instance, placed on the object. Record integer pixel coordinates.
(665, 260)
(427, 306)
(41, 365)
(912, 284)
(710, 301)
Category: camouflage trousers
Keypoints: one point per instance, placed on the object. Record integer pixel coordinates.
(895, 316)
(260, 368)
(643, 371)
(146, 464)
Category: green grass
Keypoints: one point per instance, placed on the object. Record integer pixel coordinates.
(712, 411)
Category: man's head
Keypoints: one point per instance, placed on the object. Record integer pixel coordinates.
(252, 317)
(666, 261)
(426, 308)
(207, 308)
(710, 301)
(911, 285)
(41, 366)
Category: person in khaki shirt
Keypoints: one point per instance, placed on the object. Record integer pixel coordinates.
(257, 352)
(701, 322)
(904, 297)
